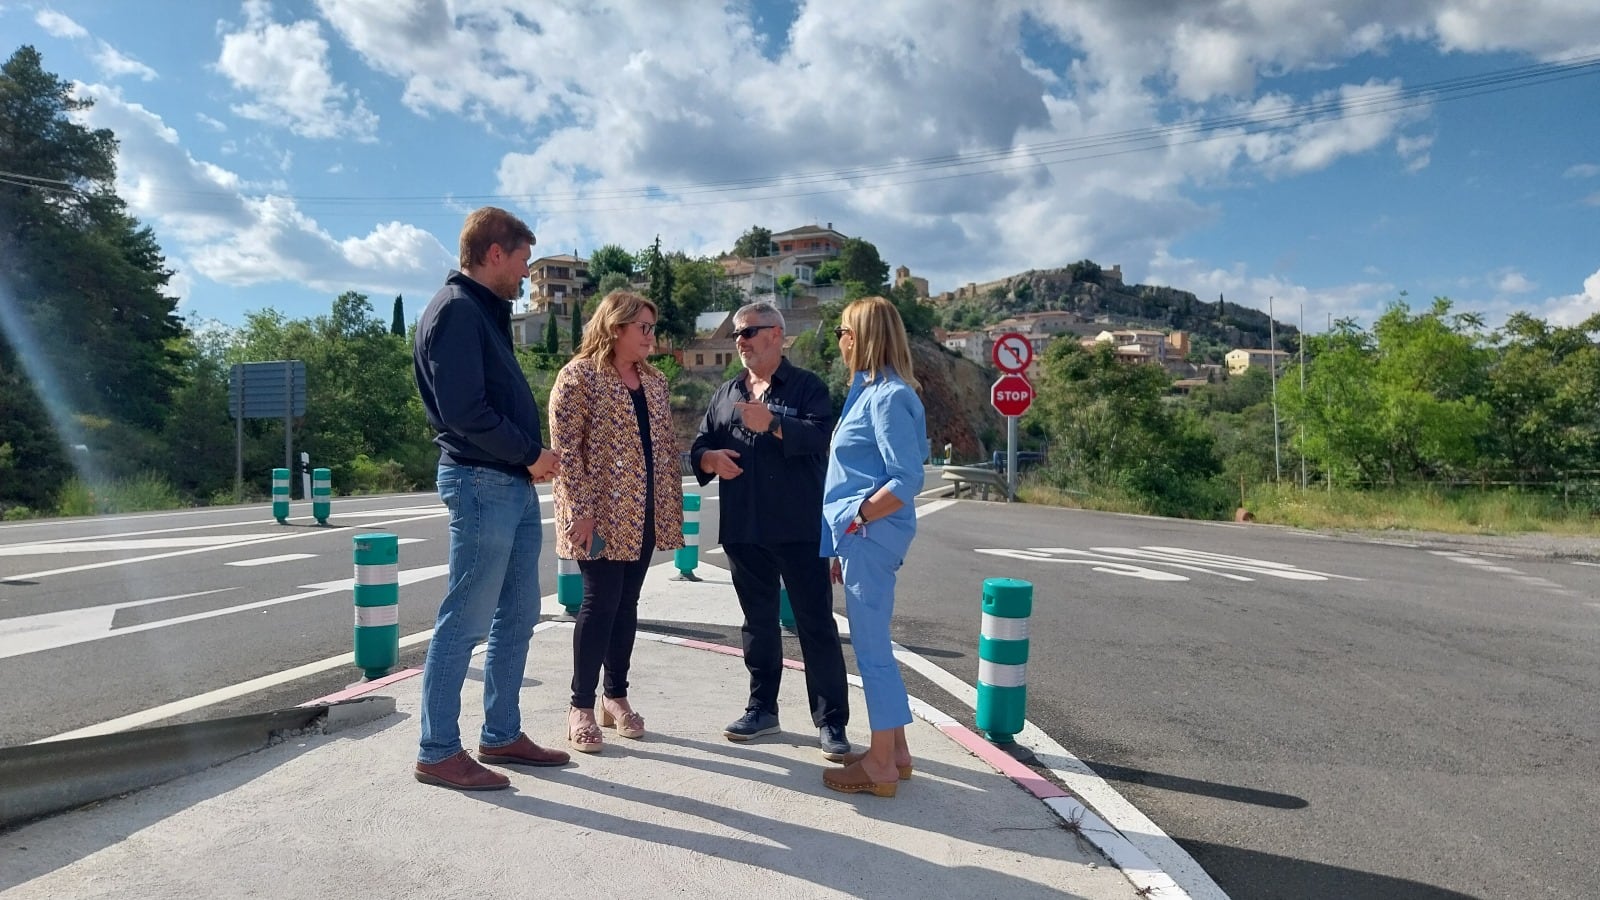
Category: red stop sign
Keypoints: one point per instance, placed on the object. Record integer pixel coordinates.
(1011, 395)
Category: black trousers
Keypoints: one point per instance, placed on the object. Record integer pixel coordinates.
(756, 569)
(607, 622)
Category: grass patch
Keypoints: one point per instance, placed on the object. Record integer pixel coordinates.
(1447, 510)
(144, 492)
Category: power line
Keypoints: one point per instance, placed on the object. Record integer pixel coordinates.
(994, 161)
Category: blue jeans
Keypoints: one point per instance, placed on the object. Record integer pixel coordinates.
(496, 532)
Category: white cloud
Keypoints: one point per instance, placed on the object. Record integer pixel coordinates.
(1582, 170)
(285, 69)
(235, 238)
(1592, 199)
(111, 61)
(1574, 308)
(57, 25)
(1511, 281)
(115, 65)
(210, 123)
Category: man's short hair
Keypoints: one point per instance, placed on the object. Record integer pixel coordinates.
(488, 226)
(765, 310)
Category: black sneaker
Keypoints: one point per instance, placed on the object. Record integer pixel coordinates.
(754, 723)
(833, 742)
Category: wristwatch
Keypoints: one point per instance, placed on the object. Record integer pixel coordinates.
(772, 426)
(860, 521)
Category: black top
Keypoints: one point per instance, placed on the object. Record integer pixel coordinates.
(473, 390)
(641, 412)
(778, 498)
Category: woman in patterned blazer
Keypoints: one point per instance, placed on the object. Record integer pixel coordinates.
(618, 500)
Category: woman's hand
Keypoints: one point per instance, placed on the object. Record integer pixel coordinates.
(835, 571)
(581, 533)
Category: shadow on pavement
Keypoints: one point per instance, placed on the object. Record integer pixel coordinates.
(1252, 875)
(1165, 782)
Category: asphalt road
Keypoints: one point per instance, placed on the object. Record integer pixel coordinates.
(1308, 717)
(103, 617)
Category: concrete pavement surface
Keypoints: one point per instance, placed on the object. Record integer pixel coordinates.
(681, 813)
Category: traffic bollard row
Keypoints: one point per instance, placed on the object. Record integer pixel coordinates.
(377, 599)
(280, 495)
(1003, 658)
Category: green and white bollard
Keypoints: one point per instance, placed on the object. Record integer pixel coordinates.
(377, 595)
(280, 495)
(785, 611)
(321, 493)
(1003, 658)
(569, 585)
(688, 556)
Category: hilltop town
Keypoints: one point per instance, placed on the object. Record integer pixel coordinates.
(1194, 340)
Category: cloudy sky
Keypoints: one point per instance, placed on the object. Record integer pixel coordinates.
(1330, 154)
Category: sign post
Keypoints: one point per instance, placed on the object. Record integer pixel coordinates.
(1012, 394)
(265, 390)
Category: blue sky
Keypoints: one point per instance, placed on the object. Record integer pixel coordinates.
(285, 152)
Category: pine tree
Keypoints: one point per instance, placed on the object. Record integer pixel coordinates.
(398, 326)
(552, 337)
(577, 324)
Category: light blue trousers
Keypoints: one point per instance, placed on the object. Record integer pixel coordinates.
(869, 576)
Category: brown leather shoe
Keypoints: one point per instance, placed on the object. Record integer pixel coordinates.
(461, 772)
(523, 752)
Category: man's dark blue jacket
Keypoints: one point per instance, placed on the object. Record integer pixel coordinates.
(475, 394)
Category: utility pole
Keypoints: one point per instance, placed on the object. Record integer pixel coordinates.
(1272, 367)
(1302, 395)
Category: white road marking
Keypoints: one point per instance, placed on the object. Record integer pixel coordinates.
(1590, 564)
(45, 548)
(200, 701)
(270, 560)
(30, 634)
(241, 543)
(50, 631)
(412, 540)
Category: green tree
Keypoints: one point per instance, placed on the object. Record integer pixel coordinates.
(1544, 393)
(575, 338)
(670, 321)
(859, 262)
(609, 259)
(827, 273)
(756, 241)
(397, 326)
(1111, 427)
(552, 337)
(106, 340)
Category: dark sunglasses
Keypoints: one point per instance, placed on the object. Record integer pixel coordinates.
(750, 331)
(841, 331)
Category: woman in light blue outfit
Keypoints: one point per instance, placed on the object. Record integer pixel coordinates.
(868, 521)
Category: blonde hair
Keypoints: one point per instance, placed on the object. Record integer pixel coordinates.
(600, 333)
(880, 340)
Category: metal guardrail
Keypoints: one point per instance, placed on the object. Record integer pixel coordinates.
(50, 777)
(976, 479)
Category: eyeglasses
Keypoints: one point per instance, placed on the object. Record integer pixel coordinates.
(841, 331)
(750, 331)
(648, 328)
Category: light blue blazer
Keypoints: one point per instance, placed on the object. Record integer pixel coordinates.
(881, 439)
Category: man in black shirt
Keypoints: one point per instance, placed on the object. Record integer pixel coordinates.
(765, 434)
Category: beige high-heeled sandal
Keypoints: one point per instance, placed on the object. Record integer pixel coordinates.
(628, 724)
(585, 737)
